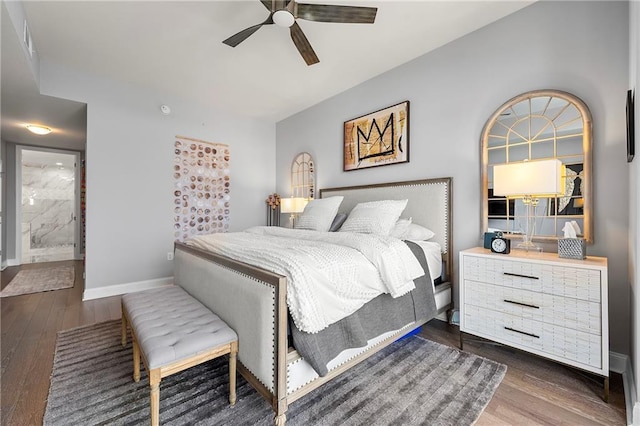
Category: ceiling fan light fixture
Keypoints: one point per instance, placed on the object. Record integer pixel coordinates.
(38, 130)
(283, 18)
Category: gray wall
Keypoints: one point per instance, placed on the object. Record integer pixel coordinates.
(634, 202)
(3, 193)
(129, 163)
(9, 195)
(579, 47)
(15, 10)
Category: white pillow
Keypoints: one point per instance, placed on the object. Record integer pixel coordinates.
(374, 217)
(418, 233)
(400, 228)
(318, 214)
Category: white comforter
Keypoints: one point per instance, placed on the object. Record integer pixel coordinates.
(330, 274)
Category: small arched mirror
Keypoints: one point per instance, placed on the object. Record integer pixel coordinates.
(538, 125)
(303, 176)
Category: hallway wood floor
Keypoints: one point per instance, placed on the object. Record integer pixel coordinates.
(533, 392)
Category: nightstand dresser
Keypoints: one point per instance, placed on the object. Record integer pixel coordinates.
(539, 303)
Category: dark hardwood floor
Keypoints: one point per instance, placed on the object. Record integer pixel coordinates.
(29, 325)
(534, 391)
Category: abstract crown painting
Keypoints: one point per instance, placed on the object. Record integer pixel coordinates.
(377, 139)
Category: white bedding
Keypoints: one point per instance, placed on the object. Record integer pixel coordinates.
(330, 274)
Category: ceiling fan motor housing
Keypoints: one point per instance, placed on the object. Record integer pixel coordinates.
(283, 18)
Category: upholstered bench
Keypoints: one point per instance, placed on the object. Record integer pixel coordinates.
(173, 331)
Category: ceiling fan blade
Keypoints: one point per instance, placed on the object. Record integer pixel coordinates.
(267, 4)
(335, 13)
(272, 6)
(303, 45)
(238, 38)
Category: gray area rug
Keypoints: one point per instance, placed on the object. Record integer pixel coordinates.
(412, 382)
(36, 280)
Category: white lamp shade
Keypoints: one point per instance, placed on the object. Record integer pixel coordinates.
(292, 204)
(532, 178)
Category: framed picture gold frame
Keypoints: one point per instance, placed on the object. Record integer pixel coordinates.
(379, 138)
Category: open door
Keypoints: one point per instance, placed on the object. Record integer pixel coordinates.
(49, 208)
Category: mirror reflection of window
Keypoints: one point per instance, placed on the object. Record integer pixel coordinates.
(535, 126)
(303, 176)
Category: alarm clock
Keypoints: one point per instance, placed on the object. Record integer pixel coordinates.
(501, 245)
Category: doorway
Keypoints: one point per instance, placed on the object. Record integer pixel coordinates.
(48, 184)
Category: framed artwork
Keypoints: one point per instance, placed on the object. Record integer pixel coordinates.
(631, 145)
(202, 186)
(377, 139)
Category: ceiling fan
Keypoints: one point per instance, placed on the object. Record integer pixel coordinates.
(285, 12)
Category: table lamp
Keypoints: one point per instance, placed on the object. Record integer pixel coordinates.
(530, 181)
(292, 205)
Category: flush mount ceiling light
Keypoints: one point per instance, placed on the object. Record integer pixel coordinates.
(38, 130)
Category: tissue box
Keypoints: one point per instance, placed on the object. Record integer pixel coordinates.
(572, 248)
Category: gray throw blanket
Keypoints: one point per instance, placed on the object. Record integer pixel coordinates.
(380, 315)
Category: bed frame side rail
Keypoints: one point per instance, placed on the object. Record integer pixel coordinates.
(253, 302)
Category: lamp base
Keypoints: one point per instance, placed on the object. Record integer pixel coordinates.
(529, 246)
(527, 239)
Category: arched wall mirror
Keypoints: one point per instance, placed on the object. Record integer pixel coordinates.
(539, 125)
(303, 176)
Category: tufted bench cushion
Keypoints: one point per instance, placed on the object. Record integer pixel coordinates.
(171, 325)
(172, 331)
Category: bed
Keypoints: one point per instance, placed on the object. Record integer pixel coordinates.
(253, 300)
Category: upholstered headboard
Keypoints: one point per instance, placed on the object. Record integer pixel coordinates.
(429, 205)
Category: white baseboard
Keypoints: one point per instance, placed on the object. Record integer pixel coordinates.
(118, 289)
(621, 364)
(442, 317)
(618, 362)
(7, 263)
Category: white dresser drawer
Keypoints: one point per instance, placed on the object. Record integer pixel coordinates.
(578, 283)
(503, 272)
(528, 333)
(567, 312)
(538, 302)
(560, 280)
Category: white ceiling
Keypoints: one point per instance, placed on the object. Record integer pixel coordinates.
(22, 102)
(175, 48)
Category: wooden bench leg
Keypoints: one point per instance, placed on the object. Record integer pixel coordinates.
(124, 330)
(154, 383)
(136, 361)
(232, 372)
(280, 420)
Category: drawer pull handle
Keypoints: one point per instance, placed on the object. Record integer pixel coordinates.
(521, 276)
(522, 332)
(522, 304)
